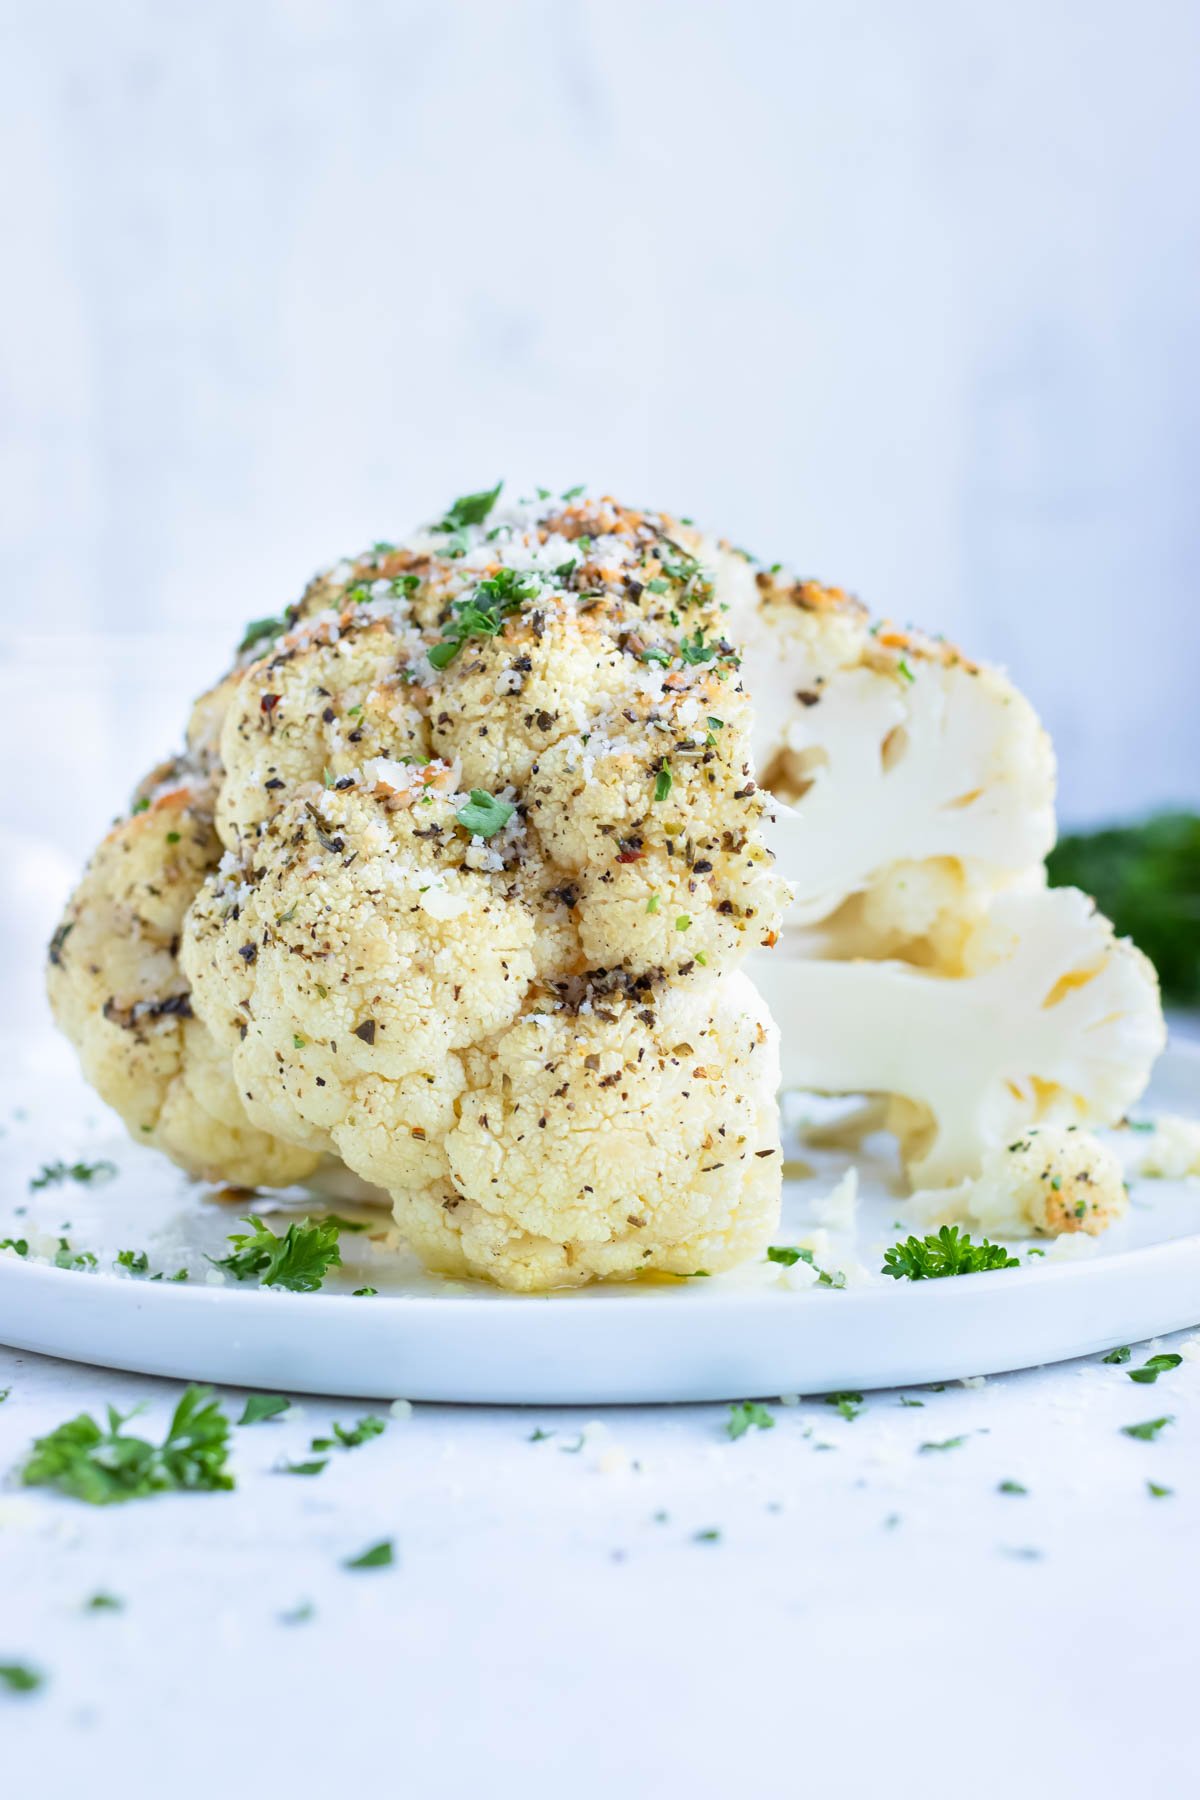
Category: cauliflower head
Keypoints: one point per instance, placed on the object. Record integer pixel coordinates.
(480, 852)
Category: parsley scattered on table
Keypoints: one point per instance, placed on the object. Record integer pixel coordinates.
(1121, 1354)
(1157, 1492)
(483, 815)
(18, 1245)
(299, 1260)
(947, 1252)
(378, 1556)
(302, 1468)
(136, 1260)
(348, 1437)
(849, 1405)
(366, 1293)
(745, 1413)
(102, 1602)
(950, 1443)
(263, 1406)
(103, 1466)
(54, 1174)
(1156, 1366)
(538, 1436)
(1011, 1487)
(299, 1615)
(709, 1536)
(1149, 1429)
(19, 1678)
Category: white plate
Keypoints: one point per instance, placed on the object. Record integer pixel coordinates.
(719, 1339)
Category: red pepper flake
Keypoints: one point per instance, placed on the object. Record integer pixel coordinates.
(269, 702)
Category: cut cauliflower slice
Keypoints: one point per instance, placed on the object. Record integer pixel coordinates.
(914, 782)
(1050, 1180)
(1058, 1022)
(1171, 1151)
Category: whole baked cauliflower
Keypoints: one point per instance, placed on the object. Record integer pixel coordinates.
(452, 884)
(455, 878)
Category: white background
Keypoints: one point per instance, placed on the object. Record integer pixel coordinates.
(902, 292)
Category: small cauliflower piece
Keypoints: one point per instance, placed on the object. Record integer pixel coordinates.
(1171, 1151)
(1058, 1022)
(1051, 1180)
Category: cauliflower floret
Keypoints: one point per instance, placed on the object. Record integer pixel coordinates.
(118, 993)
(1057, 1022)
(1171, 1152)
(611, 1141)
(1052, 1179)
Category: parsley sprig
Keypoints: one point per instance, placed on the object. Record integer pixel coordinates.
(54, 1174)
(746, 1413)
(482, 612)
(299, 1260)
(947, 1252)
(483, 815)
(469, 509)
(105, 1465)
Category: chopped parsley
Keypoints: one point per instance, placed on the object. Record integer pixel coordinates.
(263, 1406)
(694, 650)
(19, 1245)
(790, 1254)
(951, 1443)
(483, 815)
(1149, 1429)
(747, 1413)
(710, 1536)
(66, 1258)
(1158, 1492)
(19, 1678)
(904, 672)
(367, 1293)
(849, 1405)
(469, 509)
(104, 1603)
(299, 1260)
(136, 1260)
(379, 1556)
(53, 1174)
(1157, 1365)
(302, 1468)
(482, 612)
(258, 629)
(663, 783)
(1121, 1354)
(103, 1466)
(348, 1437)
(299, 1615)
(1011, 1487)
(948, 1252)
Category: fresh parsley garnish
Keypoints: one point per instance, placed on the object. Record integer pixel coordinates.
(19, 1678)
(53, 1174)
(710, 1536)
(948, 1252)
(136, 1260)
(483, 815)
(66, 1258)
(348, 1437)
(378, 1556)
(951, 1443)
(1157, 1365)
(20, 1246)
(367, 1293)
(1121, 1354)
(482, 612)
(695, 650)
(1149, 1429)
(1158, 1492)
(263, 1406)
(746, 1413)
(470, 509)
(663, 783)
(104, 1603)
(298, 1260)
(258, 629)
(103, 1466)
(1011, 1487)
(302, 1468)
(849, 1405)
(299, 1615)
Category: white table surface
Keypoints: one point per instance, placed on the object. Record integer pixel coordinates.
(872, 1617)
